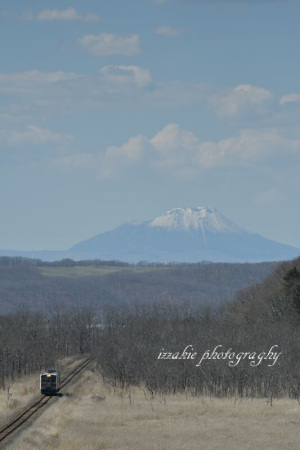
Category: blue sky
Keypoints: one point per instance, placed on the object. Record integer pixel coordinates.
(119, 110)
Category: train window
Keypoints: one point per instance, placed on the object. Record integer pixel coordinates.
(43, 378)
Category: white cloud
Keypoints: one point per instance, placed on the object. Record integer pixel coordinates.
(106, 44)
(175, 150)
(34, 94)
(116, 160)
(249, 147)
(124, 75)
(130, 151)
(167, 150)
(20, 82)
(69, 14)
(37, 76)
(172, 149)
(242, 99)
(179, 153)
(67, 91)
(168, 31)
(289, 98)
(34, 136)
(172, 137)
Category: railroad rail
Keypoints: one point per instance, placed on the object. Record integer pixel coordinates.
(33, 409)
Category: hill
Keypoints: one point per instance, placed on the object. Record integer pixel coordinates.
(40, 286)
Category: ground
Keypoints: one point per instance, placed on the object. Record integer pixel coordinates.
(92, 415)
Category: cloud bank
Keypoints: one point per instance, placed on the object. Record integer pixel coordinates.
(180, 153)
(52, 15)
(105, 44)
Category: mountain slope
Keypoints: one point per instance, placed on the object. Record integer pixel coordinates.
(184, 235)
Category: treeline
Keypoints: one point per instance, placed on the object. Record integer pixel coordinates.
(259, 332)
(22, 282)
(31, 342)
(33, 262)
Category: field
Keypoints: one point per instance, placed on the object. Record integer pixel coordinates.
(92, 271)
(80, 271)
(92, 415)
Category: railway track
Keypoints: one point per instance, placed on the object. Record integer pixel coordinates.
(33, 409)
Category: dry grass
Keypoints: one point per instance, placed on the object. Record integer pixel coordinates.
(93, 416)
(25, 391)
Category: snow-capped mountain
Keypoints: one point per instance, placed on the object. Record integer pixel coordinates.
(179, 235)
(200, 218)
(183, 235)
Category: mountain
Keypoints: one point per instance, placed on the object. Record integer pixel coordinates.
(183, 235)
(179, 235)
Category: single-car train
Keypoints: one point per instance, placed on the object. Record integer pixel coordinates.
(50, 382)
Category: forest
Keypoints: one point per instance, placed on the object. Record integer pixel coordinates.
(259, 318)
(39, 286)
(127, 338)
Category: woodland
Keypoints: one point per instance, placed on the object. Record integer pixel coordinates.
(126, 337)
(39, 286)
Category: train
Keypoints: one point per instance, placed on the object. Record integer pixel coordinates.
(50, 382)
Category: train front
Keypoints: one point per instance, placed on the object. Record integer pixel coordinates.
(50, 382)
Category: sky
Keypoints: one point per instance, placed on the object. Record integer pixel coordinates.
(113, 111)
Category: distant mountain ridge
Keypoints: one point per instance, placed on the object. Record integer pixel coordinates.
(185, 235)
(180, 235)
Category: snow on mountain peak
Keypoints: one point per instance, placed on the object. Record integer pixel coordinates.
(189, 219)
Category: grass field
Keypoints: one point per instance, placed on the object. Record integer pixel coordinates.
(25, 391)
(94, 416)
(86, 271)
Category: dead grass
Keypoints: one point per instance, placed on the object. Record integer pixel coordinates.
(93, 416)
(25, 391)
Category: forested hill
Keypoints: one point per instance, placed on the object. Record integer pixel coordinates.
(39, 285)
(249, 348)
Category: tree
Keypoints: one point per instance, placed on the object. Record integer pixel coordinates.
(292, 286)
